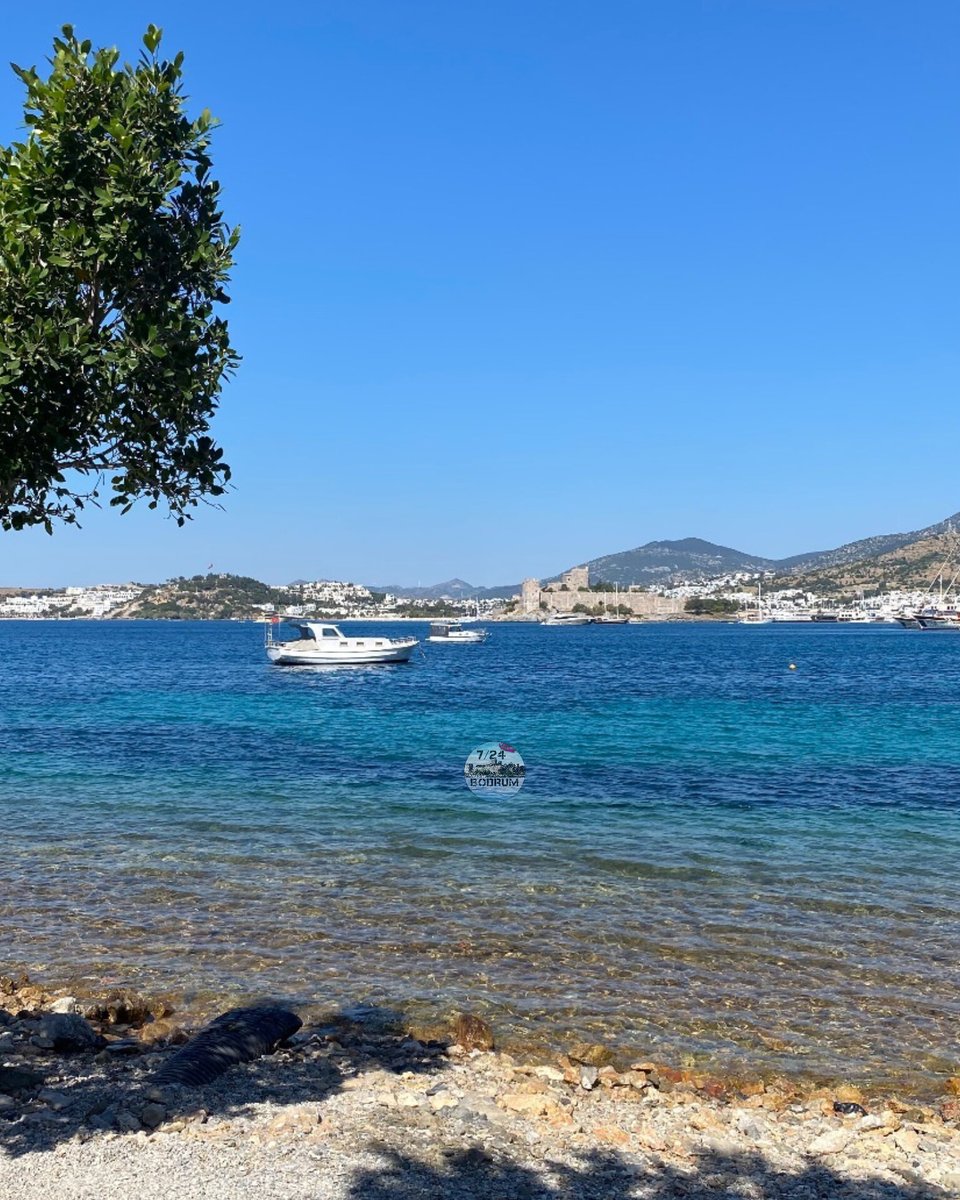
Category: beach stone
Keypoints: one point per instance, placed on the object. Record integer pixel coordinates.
(591, 1054)
(443, 1099)
(126, 1007)
(530, 1105)
(848, 1109)
(52, 1099)
(551, 1074)
(612, 1135)
(589, 1077)
(472, 1032)
(950, 1110)
(64, 1004)
(126, 1121)
(907, 1140)
(68, 1031)
(303, 1118)
(6, 1102)
(152, 1115)
(13, 1079)
(123, 1046)
(834, 1141)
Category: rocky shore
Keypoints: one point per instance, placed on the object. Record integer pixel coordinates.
(382, 1112)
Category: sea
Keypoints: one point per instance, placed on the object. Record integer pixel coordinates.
(735, 848)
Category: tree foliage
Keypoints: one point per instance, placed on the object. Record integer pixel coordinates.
(710, 606)
(113, 257)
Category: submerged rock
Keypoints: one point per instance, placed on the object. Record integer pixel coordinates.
(591, 1054)
(472, 1032)
(240, 1035)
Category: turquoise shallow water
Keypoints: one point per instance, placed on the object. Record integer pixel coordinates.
(713, 858)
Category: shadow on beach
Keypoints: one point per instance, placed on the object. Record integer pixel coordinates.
(439, 1162)
(314, 1065)
(606, 1175)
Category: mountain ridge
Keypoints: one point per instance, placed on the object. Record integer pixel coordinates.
(667, 561)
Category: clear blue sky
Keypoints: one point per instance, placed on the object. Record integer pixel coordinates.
(522, 283)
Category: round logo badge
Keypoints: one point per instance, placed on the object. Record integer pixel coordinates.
(495, 768)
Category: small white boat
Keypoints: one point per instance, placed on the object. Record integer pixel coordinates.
(570, 618)
(319, 644)
(452, 633)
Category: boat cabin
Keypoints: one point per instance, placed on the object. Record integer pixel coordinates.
(441, 629)
(311, 631)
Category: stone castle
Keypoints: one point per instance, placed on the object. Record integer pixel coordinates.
(573, 588)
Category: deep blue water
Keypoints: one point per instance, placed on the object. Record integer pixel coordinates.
(713, 858)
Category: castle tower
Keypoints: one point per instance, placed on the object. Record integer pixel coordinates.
(530, 596)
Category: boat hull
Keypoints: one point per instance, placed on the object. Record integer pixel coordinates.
(334, 656)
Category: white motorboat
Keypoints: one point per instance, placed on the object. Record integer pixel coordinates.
(570, 618)
(452, 633)
(319, 644)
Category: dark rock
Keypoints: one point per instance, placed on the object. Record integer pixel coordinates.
(12, 1079)
(472, 1032)
(152, 1115)
(68, 1031)
(123, 1046)
(849, 1109)
(240, 1035)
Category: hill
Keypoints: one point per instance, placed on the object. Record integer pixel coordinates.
(452, 589)
(872, 547)
(910, 567)
(661, 563)
(205, 597)
(667, 562)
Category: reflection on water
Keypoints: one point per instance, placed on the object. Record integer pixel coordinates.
(711, 856)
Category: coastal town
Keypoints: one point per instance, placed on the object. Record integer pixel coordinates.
(574, 592)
